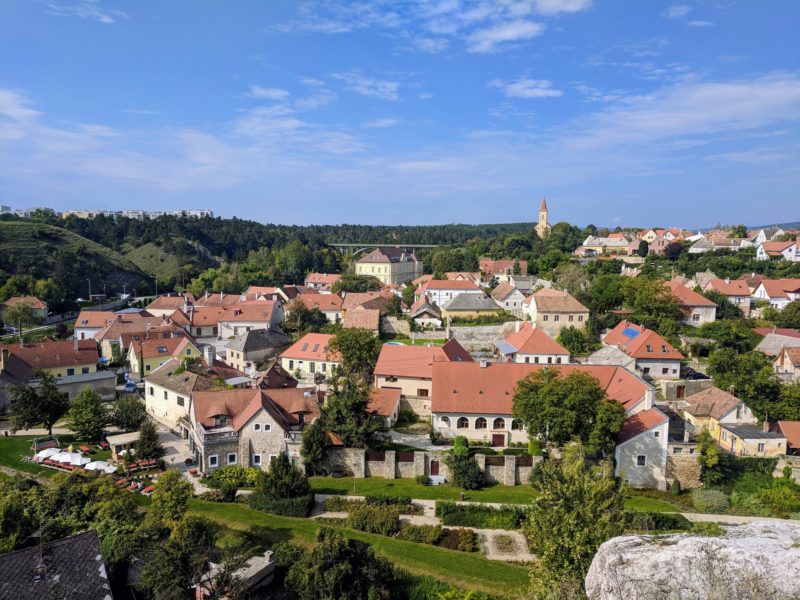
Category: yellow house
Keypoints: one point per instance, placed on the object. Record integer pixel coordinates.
(145, 356)
(60, 358)
(390, 265)
(712, 408)
(751, 440)
(470, 306)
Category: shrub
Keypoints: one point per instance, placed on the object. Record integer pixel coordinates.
(339, 503)
(655, 521)
(299, 506)
(465, 471)
(212, 496)
(234, 475)
(707, 529)
(421, 534)
(403, 503)
(712, 501)
(283, 480)
(228, 492)
(516, 452)
(458, 539)
(795, 516)
(331, 521)
(484, 451)
(781, 499)
(460, 445)
(384, 520)
(535, 447)
(480, 515)
(675, 488)
(421, 479)
(750, 503)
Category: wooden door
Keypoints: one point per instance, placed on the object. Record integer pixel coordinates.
(498, 439)
(434, 467)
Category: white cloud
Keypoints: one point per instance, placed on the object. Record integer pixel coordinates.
(430, 45)
(490, 39)
(262, 93)
(85, 9)
(366, 86)
(700, 24)
(526, 88)
(754, 157)
(424, 95)
(312, 82)
(552, 7)
(382, 123)
(676, 11)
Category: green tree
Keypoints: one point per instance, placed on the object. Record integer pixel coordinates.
(283, 480)
(88, 415)
(408, 295)
(172, 498)
(789, 316)
(356, 283)
(708, 457)
(17, 520)
(313, 447)
(44, 404)
(738, 231)
(725, 308)
(394, 306)
(734, 334)
(20, 315)
(464, 471)
(573, 339)
(148, 446)
(561, 409)
(605, 292)
(359, 350)
(674, 250)
(128, 413)
(345, 414)
(644, 249)
(750, 375)
(788, 407)
(651, 302)
(573, 279)
(576, 507)
(300, 319)
(337, 568)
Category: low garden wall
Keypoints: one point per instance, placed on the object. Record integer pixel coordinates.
(389, 464)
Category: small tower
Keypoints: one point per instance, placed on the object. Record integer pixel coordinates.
(542, 227)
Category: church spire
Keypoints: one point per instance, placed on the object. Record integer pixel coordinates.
(544, 204)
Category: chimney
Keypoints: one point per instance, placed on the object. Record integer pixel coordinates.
(3, 358)
(209, 354)
(732, 390)
(484, 363)
(685, 436)
(516, 326)
(765, 426)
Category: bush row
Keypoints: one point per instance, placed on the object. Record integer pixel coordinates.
(421, 534)
(344, 503)
(655, 521)
(235, 475)
(287, 507)
(463, 540)
(480, 515)
(384, 520)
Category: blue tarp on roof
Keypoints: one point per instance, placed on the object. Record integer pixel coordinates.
(630, 332)
(505, 347)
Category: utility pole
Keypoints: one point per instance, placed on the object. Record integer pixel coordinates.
(156, 280)
(90, 289)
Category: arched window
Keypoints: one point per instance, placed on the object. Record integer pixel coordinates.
(444, 421)
(462, 423)
(480, 423)
(499, 423)
(516, 425)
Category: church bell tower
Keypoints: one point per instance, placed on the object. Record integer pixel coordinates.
(543, 227)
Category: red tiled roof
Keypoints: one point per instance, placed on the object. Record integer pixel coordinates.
(130, 324)
(732, 287)
(329, 302)
(464, 387)
(777, 330)
(712, 402)
(777, 288)
(256, 311)
(95, 319)
(417, 361)
(421, 279)
(487, 265)
(362, 318)
(322, 278)
(640, 422)
(556, 301)
(530, 340)
(56, 353)
(687, 297)
(221, 299)
(503, 291)
(793, 354)
(791, 431)
(155, 347)
(383, 401)
(776, 248)
(451, 284)
(312, 346)
(376, 300)
(170, 301)
(634, 340)
(34, 302)
(206, 316)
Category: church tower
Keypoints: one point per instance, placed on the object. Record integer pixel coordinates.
(543, 228)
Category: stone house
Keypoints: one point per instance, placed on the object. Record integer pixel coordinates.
(711, 409)
(249, 427)
(470, 306)
(787, 364)
(752, 440)
(553, 310)
(425, 313)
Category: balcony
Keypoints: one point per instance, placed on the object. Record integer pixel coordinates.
(217, 436)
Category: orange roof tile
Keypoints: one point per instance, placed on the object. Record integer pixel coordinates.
(530, 340)
(95, 319)
(551, 301)
(687, 297)
(322, 278)
(639, 342)
(464, 387)
(170, 301)
(156, 347)
(417, 361)
(312, 346)
(712, 402)
(383, 401)
(488, 265)
(256, 311)
(324, 302)
(778, 288)
(640, 422)
(34, 302)
(452, 284)
(731, 287)
(362, 318)
(50, 354)
(791, 431)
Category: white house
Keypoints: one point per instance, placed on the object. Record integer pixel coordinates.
(531, 345)
(778, 251)
(441, 291)
(697, 309)
(655, 357)
(168, 391)
(245, 316)
(641, 454)
(509, 298)
(778, 292)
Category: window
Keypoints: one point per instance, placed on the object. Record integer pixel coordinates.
(323, 367)
(677, 450)
(655, 434)
(665, 371)
(761, 447)
(232, 458)
(646, 370)
(165, 394)
(151, 391)
(180, 400)
(291, 365)
(480, 423)
(423, 392)
(499, 423)
(695, 317)
(462, 423)
(527, 359)
(649, 348)
(664, 348)
(84, 370)
(549, 360)
(570, 318)
(272, 458)
(198, 331)
(516, 425)
(641, 460)
(312, 367)
(580, 318)
(188, 352)
(220, 421)
(536, 360)
(391, 379)
(147, 367)
(213, 460)
(544, 317)
(256, 426)
(70, 372)
(256, 460)
(267, 427)
(556, 317)
(444, 421)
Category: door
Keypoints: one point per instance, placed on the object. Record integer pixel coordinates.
(434, 467)
(498, 439)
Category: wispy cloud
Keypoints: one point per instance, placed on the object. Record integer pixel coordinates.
(263, 93)
(85, 9)
(494, 38)
(382, 123)
(677, 11)
(754, 156)
(526, 88)
(370, 87)
(140, 111)
(700, 24)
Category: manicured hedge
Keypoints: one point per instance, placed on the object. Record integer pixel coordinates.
(344, 503)
(421, 534)
(655, 521)
(235, 475)
(480, 515)
(384, 520)
(460, 539)
(287, 507)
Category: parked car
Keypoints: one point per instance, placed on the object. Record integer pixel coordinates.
(130, 388)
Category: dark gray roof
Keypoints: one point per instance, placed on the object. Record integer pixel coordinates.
(471, 302)
(388, 255)
(69, 569)
(259, 339)
(751, 432)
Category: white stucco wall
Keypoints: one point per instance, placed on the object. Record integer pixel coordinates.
(652, 444)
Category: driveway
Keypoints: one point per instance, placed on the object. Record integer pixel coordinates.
(417, 441)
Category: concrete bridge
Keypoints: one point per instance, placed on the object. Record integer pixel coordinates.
(351, 249)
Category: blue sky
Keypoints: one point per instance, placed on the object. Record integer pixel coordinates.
(620, 112)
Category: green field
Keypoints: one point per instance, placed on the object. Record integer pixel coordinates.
(470, 571)
(15, 448)
(166, 263)
(645, 504)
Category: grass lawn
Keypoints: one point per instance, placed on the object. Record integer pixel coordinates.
(644, 504)
(14, 448)
(519, 494)
(464, 570)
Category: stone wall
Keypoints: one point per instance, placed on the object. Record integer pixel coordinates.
(395, 325)
(669, 389)
(478, 338)
(419, 404)
(684, 468)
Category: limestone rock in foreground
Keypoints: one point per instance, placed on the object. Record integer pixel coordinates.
(756, 561)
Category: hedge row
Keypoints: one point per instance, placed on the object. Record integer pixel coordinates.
(287, 507)
(384, 520)
(480, 516)
(345, 503)
(655, 521)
